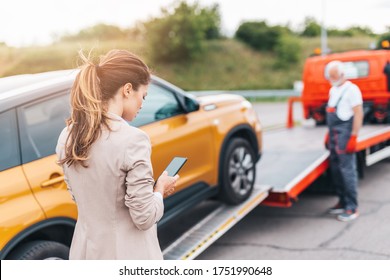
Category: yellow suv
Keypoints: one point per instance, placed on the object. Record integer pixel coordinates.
(220, 135)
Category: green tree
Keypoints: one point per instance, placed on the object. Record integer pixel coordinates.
(180, 32)
(350, 32)
(259, 35)
(288, 51)
(382, 38)
(212, 20)
(334, 32)
(311, 28)
(359, 30)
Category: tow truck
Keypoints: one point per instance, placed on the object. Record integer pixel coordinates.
(294, 157)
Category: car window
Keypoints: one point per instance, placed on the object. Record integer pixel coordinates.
(40, 125)
(159, 104)
(355, 69)
(9, 144)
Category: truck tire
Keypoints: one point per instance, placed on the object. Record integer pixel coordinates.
(238, 172)
(388, 114)
(40, 250)
(360, 163)
(322, 185)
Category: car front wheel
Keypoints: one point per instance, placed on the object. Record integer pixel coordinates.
(238, 172)
(40, 250)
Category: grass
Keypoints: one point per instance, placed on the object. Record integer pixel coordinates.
(225, 65)
(53, 57)
(228, 65)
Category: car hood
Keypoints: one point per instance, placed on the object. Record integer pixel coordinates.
(219, 99)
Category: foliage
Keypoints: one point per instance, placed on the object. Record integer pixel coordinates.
(212, 20)
(383, 37)
(288, 51)
(311, 28)
(350, 32)
(179, 34)
(259, 35)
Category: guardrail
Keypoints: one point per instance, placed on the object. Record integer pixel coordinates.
(252, 93)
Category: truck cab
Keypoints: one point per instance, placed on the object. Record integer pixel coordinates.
(365, 68)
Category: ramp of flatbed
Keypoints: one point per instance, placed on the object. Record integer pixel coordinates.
(203, 234)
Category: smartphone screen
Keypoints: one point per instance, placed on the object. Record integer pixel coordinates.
(175, 165)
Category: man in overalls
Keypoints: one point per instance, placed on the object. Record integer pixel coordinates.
(344, 116)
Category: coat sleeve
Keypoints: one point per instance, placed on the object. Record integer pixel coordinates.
(60, 151)
(145, 208)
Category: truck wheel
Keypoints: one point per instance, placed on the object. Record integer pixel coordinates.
(388, 114)
(40, 250)
(238, 172)
(360, 163)
(320, 123)
(322, 185)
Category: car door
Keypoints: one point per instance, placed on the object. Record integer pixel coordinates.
(40, 124)
(173, 132)
(18, 207)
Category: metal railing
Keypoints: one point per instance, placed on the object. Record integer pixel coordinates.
(251, 93)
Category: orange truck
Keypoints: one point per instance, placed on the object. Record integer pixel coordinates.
(368, 69)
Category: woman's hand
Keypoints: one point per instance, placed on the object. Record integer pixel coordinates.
(166, 184)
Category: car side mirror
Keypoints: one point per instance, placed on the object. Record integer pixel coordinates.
(191, 104)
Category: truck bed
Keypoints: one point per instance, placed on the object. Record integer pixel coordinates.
(290, 155)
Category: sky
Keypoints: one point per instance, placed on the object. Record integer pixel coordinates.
(26, 22)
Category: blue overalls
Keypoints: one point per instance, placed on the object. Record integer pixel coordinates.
(342, 164)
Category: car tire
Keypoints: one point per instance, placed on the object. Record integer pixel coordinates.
(238, 171)
(40, 250)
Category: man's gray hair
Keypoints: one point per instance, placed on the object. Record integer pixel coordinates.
(334, 64)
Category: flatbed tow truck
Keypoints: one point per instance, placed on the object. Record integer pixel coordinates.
(293, 158)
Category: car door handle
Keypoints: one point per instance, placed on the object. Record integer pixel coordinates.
(52, 182)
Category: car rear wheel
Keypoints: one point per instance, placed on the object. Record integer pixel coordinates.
(40, 250)
(238, 172)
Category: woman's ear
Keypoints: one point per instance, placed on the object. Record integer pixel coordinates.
(127, 89)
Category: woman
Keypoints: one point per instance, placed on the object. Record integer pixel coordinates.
(106, 162)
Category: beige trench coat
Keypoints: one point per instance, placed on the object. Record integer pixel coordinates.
(117, 210)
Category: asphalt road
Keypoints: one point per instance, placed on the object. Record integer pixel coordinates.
(303, 231)
(274, 114)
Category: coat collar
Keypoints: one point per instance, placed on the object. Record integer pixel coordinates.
(117, 117)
